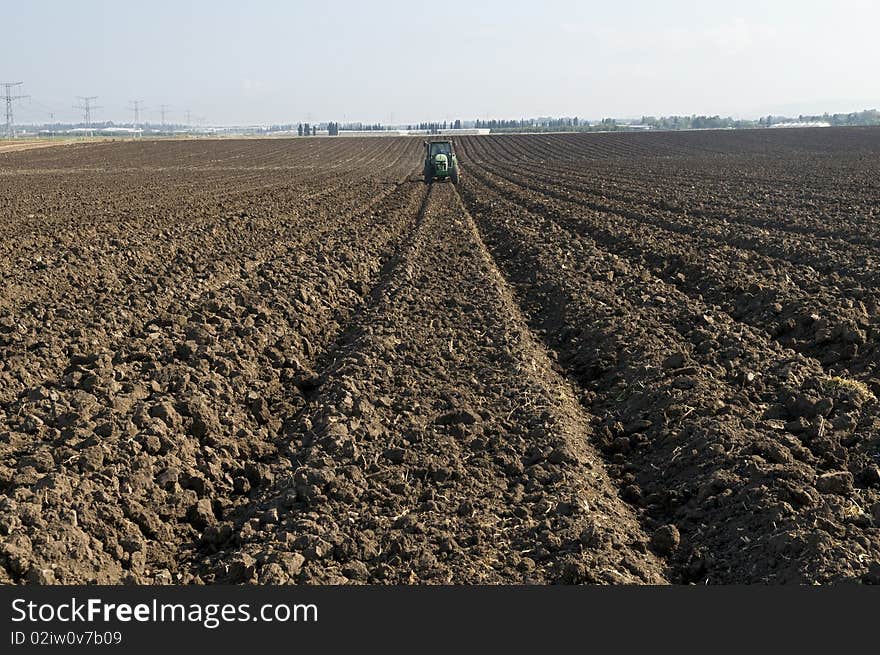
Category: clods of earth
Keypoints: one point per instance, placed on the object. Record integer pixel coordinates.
(608, 358)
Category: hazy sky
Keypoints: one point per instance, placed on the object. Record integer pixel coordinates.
(284, 61)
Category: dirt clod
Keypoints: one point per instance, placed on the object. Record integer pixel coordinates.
(666, 539)
(837, 482)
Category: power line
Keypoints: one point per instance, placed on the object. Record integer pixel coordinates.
(137, 106)
(87, 107)
(163, 109)
(10, 98)
(41, 109)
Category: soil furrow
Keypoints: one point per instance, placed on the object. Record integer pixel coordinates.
(183, 414)
(440, 446)
(694, 415)
(600, 358)
(793, 304)
(752, 210)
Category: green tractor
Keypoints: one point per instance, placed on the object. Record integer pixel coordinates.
(441, 162)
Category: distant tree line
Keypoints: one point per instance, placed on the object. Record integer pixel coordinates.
(565, 124)
(616, 125)
(556, 124)
(868, 117)
(364, 127)
(695, 123)
(856, 119)
(435, 127)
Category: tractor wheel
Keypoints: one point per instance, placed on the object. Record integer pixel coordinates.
(454, 176)
(428, 178)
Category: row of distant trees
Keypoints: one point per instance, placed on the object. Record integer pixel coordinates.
(333, 128)
(861, 118)
(566, 124)
(575, 124)
(434, 127)
(523, 123)
(694, 122)
(854, 119)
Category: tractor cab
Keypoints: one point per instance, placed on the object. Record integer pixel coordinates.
(440, 162)
(440, 148)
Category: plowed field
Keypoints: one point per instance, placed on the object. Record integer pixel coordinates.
(605, 358)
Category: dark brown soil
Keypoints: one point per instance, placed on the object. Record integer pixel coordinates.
(602, 358)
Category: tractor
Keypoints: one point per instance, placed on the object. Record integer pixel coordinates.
(441, 162)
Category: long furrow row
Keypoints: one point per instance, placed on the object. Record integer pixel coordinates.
(749, 208)
(802, 144)
(600, 358)
(36, 212)
(708, 425)
(830, 318)
(159, 411)
(842, 219)
(808, 242)
(42, 312)
(440, 445)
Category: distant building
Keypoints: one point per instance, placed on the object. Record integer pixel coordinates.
(463, 131)
(802, 124)
(95, 131)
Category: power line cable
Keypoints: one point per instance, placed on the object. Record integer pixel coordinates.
(87, 107)
(10, 99)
